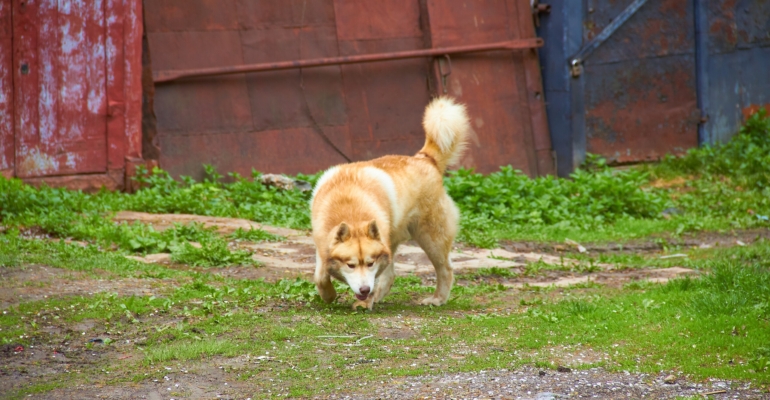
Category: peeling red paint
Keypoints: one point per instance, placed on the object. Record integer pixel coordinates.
(73, 69)
(6, 89)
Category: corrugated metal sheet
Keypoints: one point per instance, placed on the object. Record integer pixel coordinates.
(70, 89)
(305, 120)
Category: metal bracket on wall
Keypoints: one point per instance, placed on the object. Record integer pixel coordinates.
(537, 9)
(576, 61)
(446, 73)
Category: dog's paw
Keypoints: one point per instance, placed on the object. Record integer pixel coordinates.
(362, 304)
(432, 301)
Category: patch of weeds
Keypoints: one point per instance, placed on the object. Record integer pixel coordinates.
(640, 285)
(255, 235)
(189, 350)
(584, 285)
(211, 253)
(730, 287)
(494, 272)
(760, 360)
(77, 258)
(579, 307)
(586, 266)
(535, 268)
(298, 289)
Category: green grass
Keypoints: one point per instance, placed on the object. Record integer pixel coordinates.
(693, 326)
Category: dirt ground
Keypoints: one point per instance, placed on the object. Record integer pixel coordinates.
(63, 350)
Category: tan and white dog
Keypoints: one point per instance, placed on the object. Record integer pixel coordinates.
(362, 212)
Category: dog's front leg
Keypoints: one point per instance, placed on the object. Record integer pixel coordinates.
(323, 282)
(326, 289)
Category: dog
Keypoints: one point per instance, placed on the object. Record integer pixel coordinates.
(361, 212)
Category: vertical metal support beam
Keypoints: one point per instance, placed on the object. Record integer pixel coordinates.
(574, 13)
(701, 68)
(562, 31)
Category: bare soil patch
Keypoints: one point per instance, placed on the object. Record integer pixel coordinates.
(652, 244)
(36, 282)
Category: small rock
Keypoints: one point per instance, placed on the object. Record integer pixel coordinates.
(575, 244)
(670, 380)
(284, 182)
(671, 211)
(541, 373)
(548, 396)
(563, 369)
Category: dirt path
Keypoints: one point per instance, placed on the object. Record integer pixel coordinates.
(296, 256)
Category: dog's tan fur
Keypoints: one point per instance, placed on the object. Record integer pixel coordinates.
(362, 212)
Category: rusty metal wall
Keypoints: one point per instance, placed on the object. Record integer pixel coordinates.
(676, 74)
(737, 64)
(70, 90)
(305, 120)
(640, 91)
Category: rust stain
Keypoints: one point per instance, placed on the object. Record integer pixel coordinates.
(644, 121)
(723, 24)
(753, 109)
(677, 8)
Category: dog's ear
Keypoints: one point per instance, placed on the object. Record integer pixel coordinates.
(343, 233)
(372, 231)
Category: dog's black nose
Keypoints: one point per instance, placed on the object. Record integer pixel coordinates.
(365, 290)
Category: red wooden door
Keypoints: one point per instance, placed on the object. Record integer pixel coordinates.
(60, 85)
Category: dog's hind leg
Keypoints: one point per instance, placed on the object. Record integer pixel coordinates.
(435, 236)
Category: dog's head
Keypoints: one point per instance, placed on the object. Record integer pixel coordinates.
(357, 256)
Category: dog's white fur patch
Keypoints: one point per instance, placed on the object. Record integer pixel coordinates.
(386, 182)
(329, 174)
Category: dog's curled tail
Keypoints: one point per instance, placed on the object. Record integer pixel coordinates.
(446, 132)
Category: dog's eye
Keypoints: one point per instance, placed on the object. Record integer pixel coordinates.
(352, 265)
(369, 264)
